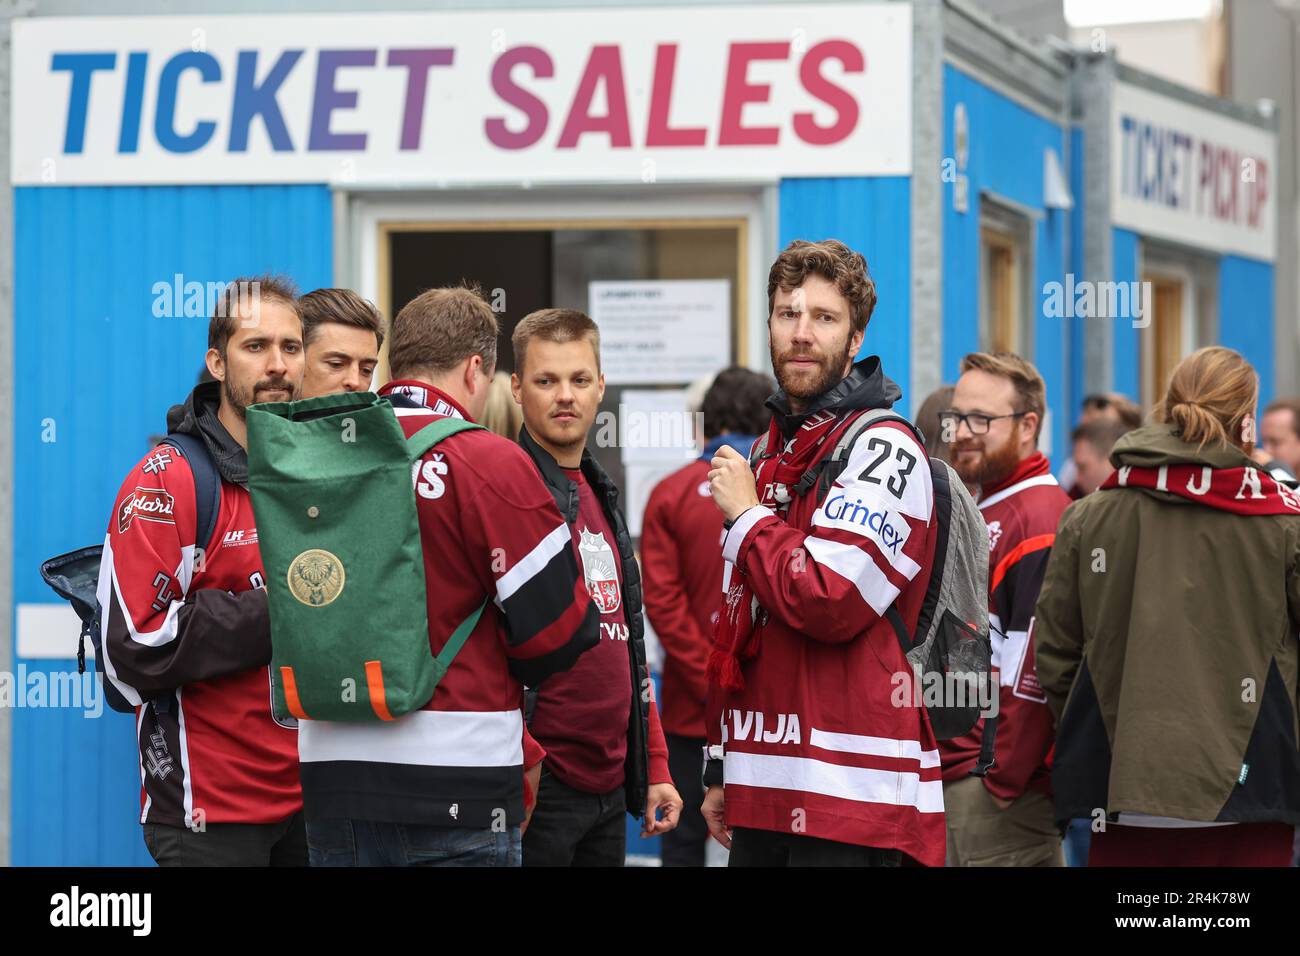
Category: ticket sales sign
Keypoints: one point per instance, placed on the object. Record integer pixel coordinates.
(633, 95)
(1187, 174)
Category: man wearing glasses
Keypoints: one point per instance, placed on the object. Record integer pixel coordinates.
(1005, 818)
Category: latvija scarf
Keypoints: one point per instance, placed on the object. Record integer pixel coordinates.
(776, 476)
(1243, 491)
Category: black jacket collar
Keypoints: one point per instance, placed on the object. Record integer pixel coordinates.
(562, 488)
(866, 386)
(198, 416)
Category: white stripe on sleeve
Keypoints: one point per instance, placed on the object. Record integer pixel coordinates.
(533, 562)
(858, 568)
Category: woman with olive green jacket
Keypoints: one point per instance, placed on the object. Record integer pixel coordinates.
(1166, 639)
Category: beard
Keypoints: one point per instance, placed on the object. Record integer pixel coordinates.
(994, 465)
(825, 375)
(240, 397)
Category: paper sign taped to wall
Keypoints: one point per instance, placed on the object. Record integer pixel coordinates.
(662, 331)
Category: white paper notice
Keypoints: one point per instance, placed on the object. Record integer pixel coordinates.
(656, 437)
(662, 330)
(653, 426)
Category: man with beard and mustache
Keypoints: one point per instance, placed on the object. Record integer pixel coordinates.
(809, 763)
(1005, 818)
(186, 632)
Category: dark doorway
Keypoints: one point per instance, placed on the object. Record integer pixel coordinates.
(520, 270)
(513, 270)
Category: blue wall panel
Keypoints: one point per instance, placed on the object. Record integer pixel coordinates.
(873, 217)
(1246, 315)
(1126, 374)
(1078, 329)
(1050, 334)
(94, 362)
(1007, 146)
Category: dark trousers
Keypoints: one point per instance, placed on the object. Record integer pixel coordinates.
(1242, 844)
(572, 828)
(229, 844)
(344, 841)
(685, 845)
(769, 848)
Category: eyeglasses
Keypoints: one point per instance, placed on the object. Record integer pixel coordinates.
(977, 423)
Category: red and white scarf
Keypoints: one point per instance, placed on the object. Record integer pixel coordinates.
(1244, 491)
(776, 475)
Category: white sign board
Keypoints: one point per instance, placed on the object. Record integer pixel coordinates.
(655, 426)
(663, 330)
(1193, 176)
(581, 95)
(657, 435)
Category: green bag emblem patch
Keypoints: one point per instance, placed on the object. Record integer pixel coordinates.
(316, 577)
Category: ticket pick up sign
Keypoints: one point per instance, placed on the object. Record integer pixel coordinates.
(1188, 174)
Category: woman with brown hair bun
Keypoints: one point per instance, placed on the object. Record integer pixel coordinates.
(1165, 638)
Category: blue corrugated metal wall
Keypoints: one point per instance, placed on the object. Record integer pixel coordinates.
(1077, 386)
(1016, 173)
(92, 359)
(1126, 372)
(1246, 315)
(1245, 306)
(874, 217)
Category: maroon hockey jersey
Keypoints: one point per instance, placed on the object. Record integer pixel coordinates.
(187, 638)
(1022, 513)
(488, 528)
(815, 743)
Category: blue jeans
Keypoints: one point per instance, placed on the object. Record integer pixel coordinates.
(350, 842)
(1078, 837)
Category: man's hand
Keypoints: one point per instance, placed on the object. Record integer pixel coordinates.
(732, 483)
(712, 808)
(661, 796)
(533, 777)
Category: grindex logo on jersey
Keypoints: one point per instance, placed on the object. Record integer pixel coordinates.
(147, 504)
(840, 512)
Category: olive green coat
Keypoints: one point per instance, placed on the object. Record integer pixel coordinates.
(1166, 642)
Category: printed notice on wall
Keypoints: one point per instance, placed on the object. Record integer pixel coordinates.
(662, 331)
(656, 435)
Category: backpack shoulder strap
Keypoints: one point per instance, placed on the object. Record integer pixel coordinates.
(419, 444)
(873, 416)
(457, 640)
(825, 472)
(207, 483)
(943, 521)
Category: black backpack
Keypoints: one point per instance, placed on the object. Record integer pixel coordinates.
(75, 576)
(951, 638)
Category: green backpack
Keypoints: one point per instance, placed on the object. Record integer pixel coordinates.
(333, 497)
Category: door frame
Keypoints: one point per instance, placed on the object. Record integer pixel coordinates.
(1156, 267)
(365, 221)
